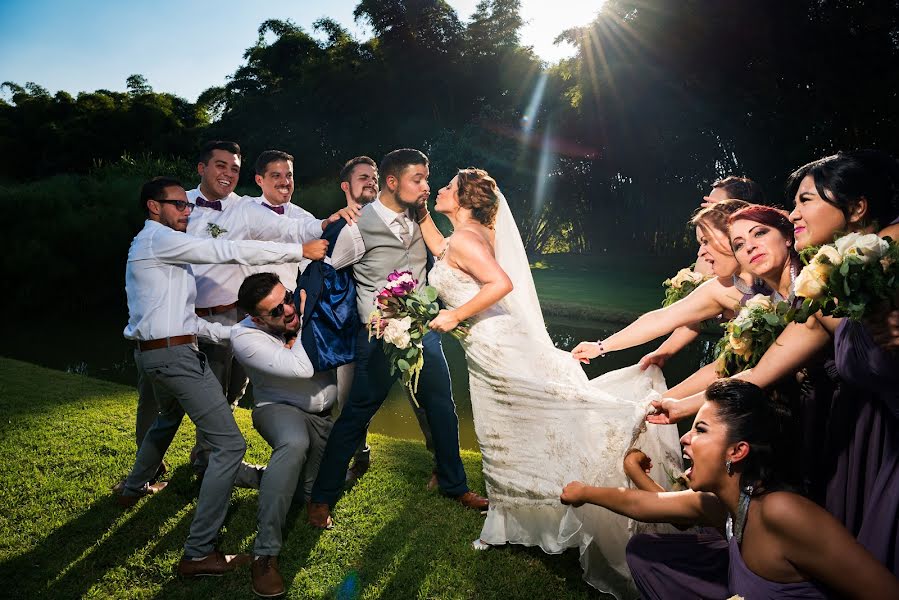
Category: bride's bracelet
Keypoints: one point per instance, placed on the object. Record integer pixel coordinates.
(602, 351)
(421, 219)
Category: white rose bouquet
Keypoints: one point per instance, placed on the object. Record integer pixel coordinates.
(401, 321)
(750, 334)
(685, 281)
(846, 278)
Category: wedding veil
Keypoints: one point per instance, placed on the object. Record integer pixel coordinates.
(521, 302)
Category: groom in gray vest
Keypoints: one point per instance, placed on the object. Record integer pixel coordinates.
(392, 241)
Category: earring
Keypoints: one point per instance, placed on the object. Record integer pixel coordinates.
(729, 465)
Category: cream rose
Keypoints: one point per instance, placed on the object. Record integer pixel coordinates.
(397, 332)
(828, 254)
(685, 275)
(810, 283)
(740, 346)
(759, 301)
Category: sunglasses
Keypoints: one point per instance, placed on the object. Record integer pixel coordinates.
(278, 311)
(180, 205)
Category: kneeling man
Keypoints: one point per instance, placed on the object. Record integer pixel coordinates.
(292, 411)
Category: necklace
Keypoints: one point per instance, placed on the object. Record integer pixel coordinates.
(794, 272)
(734, 527)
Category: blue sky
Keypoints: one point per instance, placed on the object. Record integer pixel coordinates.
(186, 46)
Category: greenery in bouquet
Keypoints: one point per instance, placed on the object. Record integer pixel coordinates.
(401, 321)
(682, 284)
(748, 335)
(855, 274)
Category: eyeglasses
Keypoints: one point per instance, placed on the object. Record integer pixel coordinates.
(180, 205)
(278, 311)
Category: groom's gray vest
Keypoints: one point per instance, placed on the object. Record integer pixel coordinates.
(384, 253)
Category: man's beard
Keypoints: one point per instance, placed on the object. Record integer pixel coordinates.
(407, 204)
(362, 199)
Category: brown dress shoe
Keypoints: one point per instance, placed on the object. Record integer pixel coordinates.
(432, 482)
(356, 471)
(129, 501)
(319, 515)
(471, 500)
(212, 565)
(267, 581)
(160, 472)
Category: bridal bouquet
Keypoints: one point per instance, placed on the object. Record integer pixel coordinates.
(844, 278)
(685, 281)
(401, 320)
(750, 334)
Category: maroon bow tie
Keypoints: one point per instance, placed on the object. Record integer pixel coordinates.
(278, 209)
(214, 205)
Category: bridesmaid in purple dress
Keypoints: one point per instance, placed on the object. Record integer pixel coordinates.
(781, 544)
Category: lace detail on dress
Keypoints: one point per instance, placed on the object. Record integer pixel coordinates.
(541, 423)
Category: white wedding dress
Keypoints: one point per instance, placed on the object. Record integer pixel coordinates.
(541, 423)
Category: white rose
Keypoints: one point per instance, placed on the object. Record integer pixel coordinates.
(759, 301)
(743, 322)
(397, 332)
(404, 278)
(847, 241)
(809, 284)
(871, 247)
(831, 254)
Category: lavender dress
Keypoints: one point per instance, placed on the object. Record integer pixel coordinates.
(863, 443)
(745, 583)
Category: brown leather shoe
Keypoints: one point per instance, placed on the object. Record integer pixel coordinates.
(212, 565)
(319, 515)
(471, 500)
(355, 472)
(267, 581)
(160, 472)
(129, 501)
(432, 482)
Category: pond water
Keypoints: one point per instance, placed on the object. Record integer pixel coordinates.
(89, 346)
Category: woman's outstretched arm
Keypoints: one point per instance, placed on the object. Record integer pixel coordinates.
(794, 348)
(671, 346)
(706, 301)
(474, 256)
(699, 508)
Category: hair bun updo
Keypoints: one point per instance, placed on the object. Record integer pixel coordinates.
(479, 193)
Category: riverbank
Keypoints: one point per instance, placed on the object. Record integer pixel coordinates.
(68, 438)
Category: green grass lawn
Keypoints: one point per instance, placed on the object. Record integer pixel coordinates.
(67, 439)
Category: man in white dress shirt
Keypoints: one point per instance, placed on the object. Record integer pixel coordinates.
(161, 320)
(292, 412)
(274, 176)
(222, 214)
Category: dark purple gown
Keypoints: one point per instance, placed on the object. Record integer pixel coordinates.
(745, 583)
(863, 487)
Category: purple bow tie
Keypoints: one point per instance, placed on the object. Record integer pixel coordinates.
(214, 205)
(278, 209)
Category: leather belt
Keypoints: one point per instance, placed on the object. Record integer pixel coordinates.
(175, 340)
(214, 310)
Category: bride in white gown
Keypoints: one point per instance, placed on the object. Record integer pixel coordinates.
(539, 421)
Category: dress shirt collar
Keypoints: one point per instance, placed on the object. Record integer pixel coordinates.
(225, 201)
(387, 215)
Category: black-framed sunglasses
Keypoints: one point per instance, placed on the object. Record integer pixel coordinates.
(278, 311)
(180, 205)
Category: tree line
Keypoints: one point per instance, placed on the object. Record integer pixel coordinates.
(608, 150)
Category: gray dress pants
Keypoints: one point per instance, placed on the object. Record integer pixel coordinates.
(298, 441)
(183, 383)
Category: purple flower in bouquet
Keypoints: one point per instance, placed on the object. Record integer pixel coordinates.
(400, 283)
